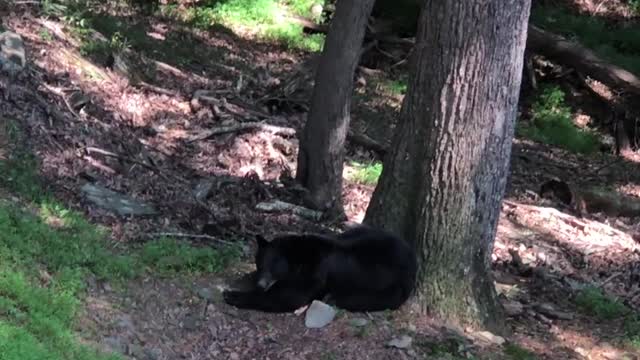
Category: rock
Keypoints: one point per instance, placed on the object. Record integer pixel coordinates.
(206, 294)
(582, 352)
(548, 310)
(513, 308)
(203, 189)
(115, 344)
(358, 322)
(13, 57)
(490, 338)
(401, 342)
(319, 315)
(113, 201)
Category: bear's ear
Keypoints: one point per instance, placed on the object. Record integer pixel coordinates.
(261, 241)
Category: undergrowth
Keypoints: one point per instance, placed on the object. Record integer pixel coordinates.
(367, 174)
(47, 251)
(515, 352)
(551, 123)
(593, 301)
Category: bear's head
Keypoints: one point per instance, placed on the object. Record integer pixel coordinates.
(271, 264)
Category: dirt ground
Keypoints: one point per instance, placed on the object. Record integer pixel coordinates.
(150, 145)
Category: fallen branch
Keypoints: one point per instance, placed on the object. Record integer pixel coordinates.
(191, 236)
(91, 149)
(581, 58)
(281, 206)
(276, 130)
(367, 142)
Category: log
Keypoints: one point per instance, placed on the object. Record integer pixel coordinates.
(582, 59)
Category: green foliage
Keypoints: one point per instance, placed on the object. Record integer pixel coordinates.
(620, 45)
(101, 50)
(634, 5)
(367, 174)
(168, 256)
(552, 123)
(632, 331)
(395, 87)
(593, 302)
(265, 18)
(45, 35)
(515, 352)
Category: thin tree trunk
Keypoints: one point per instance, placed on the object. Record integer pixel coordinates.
(444, 178)
(321, 152)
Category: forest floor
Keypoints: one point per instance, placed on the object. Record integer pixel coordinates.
(570, 284)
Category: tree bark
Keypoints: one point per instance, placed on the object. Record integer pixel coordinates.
(321, 151)
(443, 181)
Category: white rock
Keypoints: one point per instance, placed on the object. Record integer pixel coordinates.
(319, 315)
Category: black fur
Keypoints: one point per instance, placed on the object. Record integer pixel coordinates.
(362, 269)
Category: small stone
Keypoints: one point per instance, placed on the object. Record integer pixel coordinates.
(319, 315)
(190, 322)
(234, 356)
(542, 257)
(205, 293)
(489, 337)
(401, 342)
(359, 322)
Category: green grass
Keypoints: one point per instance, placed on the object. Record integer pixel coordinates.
(592, 301)
(620, 45)
(168, 256)
(265, 18)
(551, 123)
(36, 320)
(515, 352)
(367, 174)
(47, 252)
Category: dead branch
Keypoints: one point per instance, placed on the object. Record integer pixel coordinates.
(281, 206)
(91, 149)
(276, 130)
(367, 142)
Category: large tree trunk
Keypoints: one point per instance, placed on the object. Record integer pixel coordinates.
(444, 178)
(321, 151)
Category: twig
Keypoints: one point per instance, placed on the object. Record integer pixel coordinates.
(243, 127)
(191, 236)
(158, 89)
(609, 279)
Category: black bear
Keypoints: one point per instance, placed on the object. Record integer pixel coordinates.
(362, 269)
